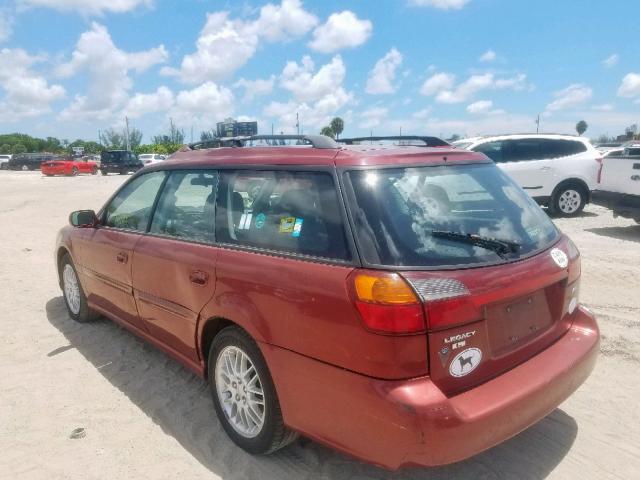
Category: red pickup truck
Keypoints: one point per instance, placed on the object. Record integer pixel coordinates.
(68, 166)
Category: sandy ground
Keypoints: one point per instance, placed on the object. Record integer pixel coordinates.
(145, 416)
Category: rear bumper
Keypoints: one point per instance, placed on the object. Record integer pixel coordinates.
(411, 422)
(53, 170)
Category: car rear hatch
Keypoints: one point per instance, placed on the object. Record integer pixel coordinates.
(492, 280)
(483, 321)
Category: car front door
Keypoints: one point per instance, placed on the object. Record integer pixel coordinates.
(174, 265)
(526, 162)
(107, 250)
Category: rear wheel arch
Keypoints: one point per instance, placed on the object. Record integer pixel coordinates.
(211, 328)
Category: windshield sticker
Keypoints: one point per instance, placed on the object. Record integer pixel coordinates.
(260, 220)
(297, 227)
(245, 221)
(287, 224)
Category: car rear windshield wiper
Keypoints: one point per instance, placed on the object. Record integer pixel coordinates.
(501, 247)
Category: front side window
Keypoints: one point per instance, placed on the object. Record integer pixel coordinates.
(493, 150)
(292, 212)
(421, 216)
(131, 207)
(187, 206)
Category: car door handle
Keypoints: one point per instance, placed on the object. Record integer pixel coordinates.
(545, 169)
(198, 277)
(122, 257)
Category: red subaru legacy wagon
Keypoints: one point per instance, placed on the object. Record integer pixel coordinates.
(405, 305)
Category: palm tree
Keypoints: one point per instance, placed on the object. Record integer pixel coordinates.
(581, 127)
(337, 125)
(327, 131)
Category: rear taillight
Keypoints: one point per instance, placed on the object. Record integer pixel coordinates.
(600, 161)
(386, 303)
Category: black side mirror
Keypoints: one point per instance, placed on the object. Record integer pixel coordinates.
(83, 219)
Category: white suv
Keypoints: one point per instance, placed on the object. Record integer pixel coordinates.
(4, 161)
(558, 171)
(150, 158)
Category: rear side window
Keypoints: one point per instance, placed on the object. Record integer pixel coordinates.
(111, 157)
(292, 212)
(187, 206)
(131, 207)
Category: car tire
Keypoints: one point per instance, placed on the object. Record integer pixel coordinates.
(104, 172)
(94, 171)
(24, 168)
(251, 414)
(74, 297)
(74, 172)
(568, 200)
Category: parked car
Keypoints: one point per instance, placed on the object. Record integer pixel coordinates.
(68, 166)
(604, 148)
(119, 161)
(29, 161)
(150, 158)
(4, 162)
(619, 183)
(558, 171)
(405, 305)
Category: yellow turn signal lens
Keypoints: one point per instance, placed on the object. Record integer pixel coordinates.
(389, 289)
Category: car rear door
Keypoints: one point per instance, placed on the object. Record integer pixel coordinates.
(174, 264)
(106, 252)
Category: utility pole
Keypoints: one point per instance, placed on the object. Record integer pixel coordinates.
(400, 131)
(126, 122)
(272, 129)
(99, 137)
(538, 124)
(297, 123)
(191, 133)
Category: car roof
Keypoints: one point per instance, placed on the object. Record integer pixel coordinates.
(518, 136)
(352, 155)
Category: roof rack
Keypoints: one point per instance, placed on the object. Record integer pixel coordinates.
(316, 141)
(428, 141)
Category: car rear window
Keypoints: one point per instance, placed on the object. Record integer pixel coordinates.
(397, 211)
(292, 212)
(111, 157)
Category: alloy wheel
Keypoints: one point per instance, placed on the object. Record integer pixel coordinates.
(240, 391)
(569, 201)
(71, 289)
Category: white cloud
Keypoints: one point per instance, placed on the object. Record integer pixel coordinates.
(480, 107)
(442, 85)
(441, 4)
(226, 44)
(317, 95)
(203, 105)
(382, 77)
(437, 82)
(108, 68)
(94, 7)
(605, 107)
(26, 94)
(257, 87)
(372, 117)
(488, 56)
(630, 86)
(611, 61)
(6, 24)
(305, 85)
(422, 114)
(341, 30)
(143, 103)
(572, 96)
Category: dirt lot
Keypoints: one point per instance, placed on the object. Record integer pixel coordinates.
(144, 416)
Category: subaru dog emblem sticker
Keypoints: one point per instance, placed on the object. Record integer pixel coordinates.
(465, 362)
(560, 258)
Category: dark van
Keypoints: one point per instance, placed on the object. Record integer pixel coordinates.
(119, 161)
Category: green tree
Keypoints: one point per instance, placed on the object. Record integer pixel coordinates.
(328, 131)
(18, 148)
(581, 127)
(5, 148)
(337, 126)
(112, 139)
(135, 138)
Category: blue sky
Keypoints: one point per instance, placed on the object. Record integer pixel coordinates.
(71, 67)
